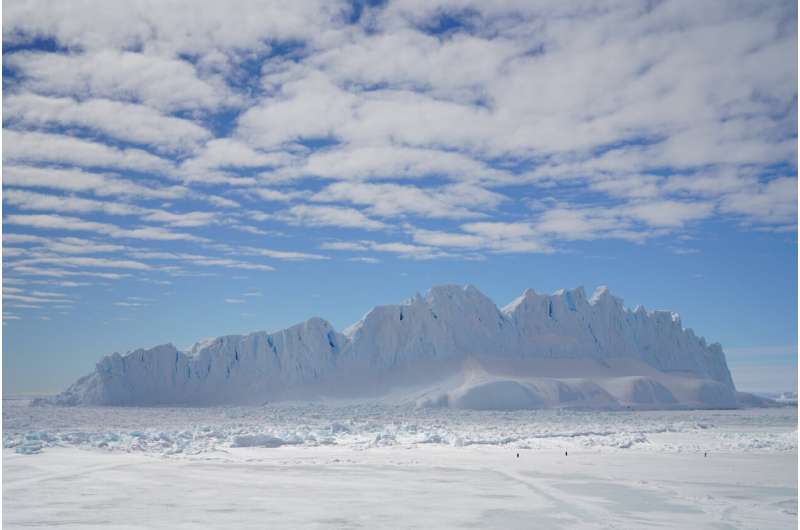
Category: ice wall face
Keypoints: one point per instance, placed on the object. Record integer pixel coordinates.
(448, 324)
(232, 369)
(566, 324)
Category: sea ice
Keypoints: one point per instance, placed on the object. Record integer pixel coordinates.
(349, 464)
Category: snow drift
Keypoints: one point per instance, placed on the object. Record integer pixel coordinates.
(452, 347)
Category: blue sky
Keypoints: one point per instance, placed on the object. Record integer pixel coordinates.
(169, 177)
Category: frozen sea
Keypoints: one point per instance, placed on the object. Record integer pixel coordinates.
(357, 465)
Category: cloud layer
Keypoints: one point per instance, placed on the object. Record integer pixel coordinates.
(419, 130)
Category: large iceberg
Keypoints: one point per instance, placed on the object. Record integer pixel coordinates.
(452, 347)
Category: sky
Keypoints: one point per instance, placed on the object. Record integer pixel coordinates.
(179, 170)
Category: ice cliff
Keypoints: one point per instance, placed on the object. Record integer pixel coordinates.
(452, 347)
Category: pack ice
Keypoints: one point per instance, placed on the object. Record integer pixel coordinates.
(452, 347)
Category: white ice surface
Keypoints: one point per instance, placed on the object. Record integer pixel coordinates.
(365, 466)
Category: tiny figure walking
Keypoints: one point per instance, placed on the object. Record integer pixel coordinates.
(705, 455)
(566, 453)
(517, 455)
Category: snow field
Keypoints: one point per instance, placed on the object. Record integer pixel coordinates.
(367, 465)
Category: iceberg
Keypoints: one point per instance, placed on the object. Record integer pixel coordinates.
(452, 347)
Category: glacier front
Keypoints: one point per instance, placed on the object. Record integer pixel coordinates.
(452, 347)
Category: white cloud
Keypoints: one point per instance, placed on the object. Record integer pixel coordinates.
(129, 304)
(661, 116)
(344, 245)
(180, 219)
(306, 108)
(235, 301)
(221, 202)
(70, 284)
(574, 223)
(705, 90)
(60, 222)
(72, 261)
(61, 149)
(31, 299)
(390, 200)
(163, 28)
(772, 202)
(66, 245)
(79, 180)
(500, 237)
(248, 229)
(364, 259)
(222, 154)
(272, 195)
(404, 250)
(26, 200)
(682, 251)
(358, 162)
(410, 251)
(282, 254)
(26, 270)
(507, 237)
(310, 215)
(156, 81)
(14, 251)
(404, 58)
(136, 124)
(201, 260)
(633, 221)
(448, 239)
(670, 213)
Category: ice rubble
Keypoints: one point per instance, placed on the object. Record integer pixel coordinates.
(452, 347)
(187, 431)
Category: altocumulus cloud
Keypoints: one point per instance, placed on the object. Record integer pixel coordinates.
(179, 145)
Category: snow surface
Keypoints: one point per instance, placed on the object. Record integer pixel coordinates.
(371, 464)
(559, 350)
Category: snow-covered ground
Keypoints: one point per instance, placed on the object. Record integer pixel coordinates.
(354, 465)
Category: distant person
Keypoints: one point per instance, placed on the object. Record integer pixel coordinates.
(705, 454)
(566, 453)
(517, 455)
